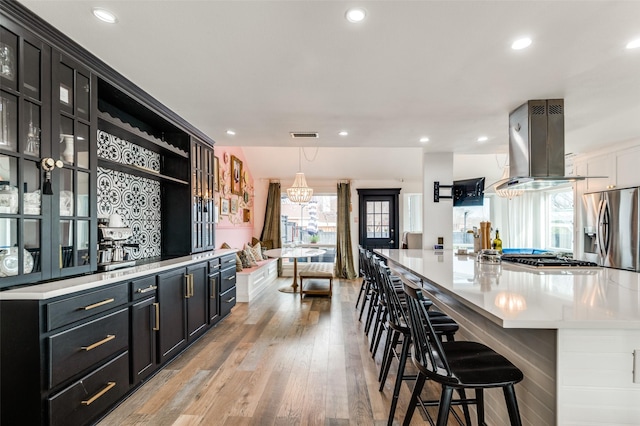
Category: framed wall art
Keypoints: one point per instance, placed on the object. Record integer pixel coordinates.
(224, 206)
(236, 175)
(234, 205)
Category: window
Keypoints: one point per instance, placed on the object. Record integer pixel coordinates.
(465, 219)
(378, 219)
(560, 220)
(314, 222)
(413, 213)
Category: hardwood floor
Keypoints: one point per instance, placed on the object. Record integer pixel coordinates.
(276, 361)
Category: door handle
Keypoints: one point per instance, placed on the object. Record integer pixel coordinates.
(156, 308)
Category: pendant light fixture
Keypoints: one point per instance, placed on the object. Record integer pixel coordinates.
(299, 192)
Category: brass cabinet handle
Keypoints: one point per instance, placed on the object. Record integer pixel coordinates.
(99, 394)
(191, 284)
(231, 300)
(100, 343)
(231, 278)
(186, 286)
(215, 267)
(156, 308)
(146, 290)
(95, 305)
(212, 294)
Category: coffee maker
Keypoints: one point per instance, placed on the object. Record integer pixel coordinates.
(111, 248)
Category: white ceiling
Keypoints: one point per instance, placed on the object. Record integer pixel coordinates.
(442, 69)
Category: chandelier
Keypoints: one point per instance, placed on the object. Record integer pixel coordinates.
(299, 192)
(509, 193)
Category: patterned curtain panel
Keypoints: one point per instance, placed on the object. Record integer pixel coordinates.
(271, 228)
(344, 255)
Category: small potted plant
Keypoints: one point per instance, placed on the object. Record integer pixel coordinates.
(314, 239)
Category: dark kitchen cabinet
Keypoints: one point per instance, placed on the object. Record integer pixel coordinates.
(145, 322)
(227, 284)
(214, 288)
(197, 299)
(172, 297)
(203, 197)
(47, 121)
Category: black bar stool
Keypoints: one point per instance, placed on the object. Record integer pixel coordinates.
(398, 327)
(456, 365)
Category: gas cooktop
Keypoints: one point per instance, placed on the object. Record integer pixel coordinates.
(547, 261)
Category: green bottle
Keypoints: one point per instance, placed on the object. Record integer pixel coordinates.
(497, 242)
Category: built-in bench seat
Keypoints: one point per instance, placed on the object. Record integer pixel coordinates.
(251, 281)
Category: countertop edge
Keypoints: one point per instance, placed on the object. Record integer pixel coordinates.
(64, 287)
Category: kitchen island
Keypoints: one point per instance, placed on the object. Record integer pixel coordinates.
(572, 331)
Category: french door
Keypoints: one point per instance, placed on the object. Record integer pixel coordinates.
(378, 218)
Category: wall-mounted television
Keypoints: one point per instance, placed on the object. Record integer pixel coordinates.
(468, 192)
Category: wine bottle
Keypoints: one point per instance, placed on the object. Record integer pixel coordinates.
(497, 242)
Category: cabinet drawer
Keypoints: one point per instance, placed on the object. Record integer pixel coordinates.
(227, 301)
(228, 261)
(78, 348)
(92, 395)
(214, 264)
(75, 308)
(227, 279)
(143, 287)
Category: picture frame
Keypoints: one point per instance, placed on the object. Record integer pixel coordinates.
(234, 205)
(216, 173)
(224, 206)
(236, 175)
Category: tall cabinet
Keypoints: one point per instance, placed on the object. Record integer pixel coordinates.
(47, 164)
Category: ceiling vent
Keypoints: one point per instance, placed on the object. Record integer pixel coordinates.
(304, 135)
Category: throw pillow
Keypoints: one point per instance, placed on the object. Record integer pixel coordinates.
(252, 260)
(244, 259)
(225, 246)
(256, 250)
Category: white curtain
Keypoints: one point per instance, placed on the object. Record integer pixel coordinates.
(520, 220)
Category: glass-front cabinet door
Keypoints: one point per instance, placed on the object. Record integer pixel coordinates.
(74, 189)
(203, 204)
(25, 127)
(47, 175)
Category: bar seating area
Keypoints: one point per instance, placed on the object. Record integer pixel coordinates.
(412, 329)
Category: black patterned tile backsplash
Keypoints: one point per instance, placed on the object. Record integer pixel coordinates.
(113, 148)
(135, 198)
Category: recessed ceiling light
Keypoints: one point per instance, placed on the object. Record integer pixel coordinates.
(483, 139)
(521, 43)
(356, 14)
(343, 133)
(424, 139)
(104, 15)
(231, 133)
(633, 44)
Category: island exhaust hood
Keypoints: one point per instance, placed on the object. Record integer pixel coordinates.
(536, 146)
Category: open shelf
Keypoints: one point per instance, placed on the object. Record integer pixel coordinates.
(138, 171)
(119, 128)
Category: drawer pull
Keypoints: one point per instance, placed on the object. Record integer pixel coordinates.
(216, 267)
(95, 305)
(230, 261)
(231, 278)
(156, 308)
(100, 343)
(99, 394)
(231, 300)
(146, 290)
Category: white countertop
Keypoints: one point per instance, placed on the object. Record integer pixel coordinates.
(86, 282)
(515, 296)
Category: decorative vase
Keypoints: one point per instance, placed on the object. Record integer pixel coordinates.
(67, 154)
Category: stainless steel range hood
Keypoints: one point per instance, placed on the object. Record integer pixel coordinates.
(536, 146)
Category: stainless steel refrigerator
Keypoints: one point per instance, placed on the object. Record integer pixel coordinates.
(611, 233)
